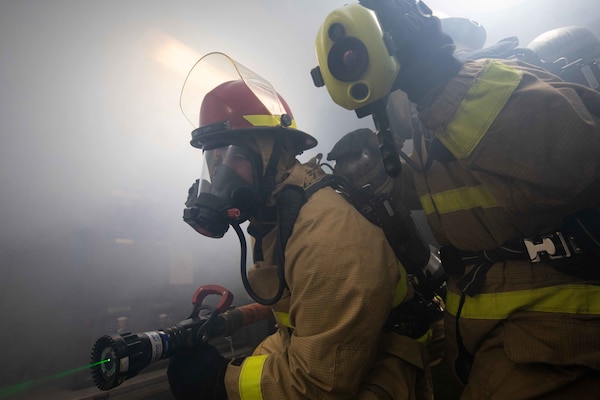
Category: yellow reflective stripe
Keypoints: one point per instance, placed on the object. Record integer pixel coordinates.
(249, 383)
(426, 338)
(568, 299)
(401, 286)
(284, 319)
(267, 120)
(464, 198)
(488, 95)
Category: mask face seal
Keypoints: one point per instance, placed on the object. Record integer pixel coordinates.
(226, 193)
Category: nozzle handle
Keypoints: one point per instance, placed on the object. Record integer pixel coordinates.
(205, 290)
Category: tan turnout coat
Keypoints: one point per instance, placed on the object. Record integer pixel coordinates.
(343, 279)
(527, 149)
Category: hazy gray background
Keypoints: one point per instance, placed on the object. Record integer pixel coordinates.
(95, 160)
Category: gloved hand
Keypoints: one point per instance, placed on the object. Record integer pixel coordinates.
(198, 373)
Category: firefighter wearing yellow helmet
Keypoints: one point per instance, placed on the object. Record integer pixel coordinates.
(329, 275)
(506, 166)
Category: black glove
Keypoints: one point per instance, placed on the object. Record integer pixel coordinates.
(198, 373)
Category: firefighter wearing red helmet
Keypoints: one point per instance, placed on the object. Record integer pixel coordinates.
(329, 275)
(507, 171)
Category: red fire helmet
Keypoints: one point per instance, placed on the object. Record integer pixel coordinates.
(241, 102)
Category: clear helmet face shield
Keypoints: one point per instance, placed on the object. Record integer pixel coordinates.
(226, 192)
(215, 69)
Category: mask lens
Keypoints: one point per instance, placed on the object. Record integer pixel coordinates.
(236, 158)
(225, 193)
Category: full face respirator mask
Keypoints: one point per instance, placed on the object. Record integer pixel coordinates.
(225, 193)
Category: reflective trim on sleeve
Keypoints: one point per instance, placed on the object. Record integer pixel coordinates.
(426, 338)
(486, 98)
(567, 299)
(250, 375)
(464, 198)
(284, 319)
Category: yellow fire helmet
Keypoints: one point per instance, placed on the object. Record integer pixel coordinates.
(355, 62)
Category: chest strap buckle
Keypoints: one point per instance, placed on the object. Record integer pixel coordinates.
(554, 245)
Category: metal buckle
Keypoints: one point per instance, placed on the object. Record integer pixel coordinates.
(553, 245)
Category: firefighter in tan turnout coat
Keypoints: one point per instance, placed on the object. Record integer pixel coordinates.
(328, 273)
(506, 165)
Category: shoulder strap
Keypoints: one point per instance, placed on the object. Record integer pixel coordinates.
(327, 180)
(290, 200)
